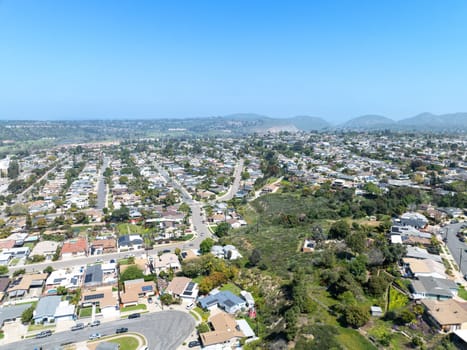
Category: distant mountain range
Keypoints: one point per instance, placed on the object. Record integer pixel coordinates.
(456, 122)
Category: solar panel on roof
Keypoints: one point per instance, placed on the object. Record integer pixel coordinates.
(94, 296)
(146, 288)
(190, 286)
(88, 278)
(187, 293)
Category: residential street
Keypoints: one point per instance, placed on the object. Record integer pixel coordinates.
(456, 247)
(164, 330)
(235, 185)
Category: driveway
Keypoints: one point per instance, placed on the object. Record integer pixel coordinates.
(165, 330)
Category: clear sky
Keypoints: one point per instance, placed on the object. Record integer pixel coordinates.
(141, 59)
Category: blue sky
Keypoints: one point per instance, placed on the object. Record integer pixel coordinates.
(144, 59)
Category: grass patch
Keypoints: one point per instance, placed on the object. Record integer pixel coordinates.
(87, 311)
(123, 262)
(351, 339)
(462, 293)
(195, 316)
(397, 300)
(204, 314)
(39, 327)
(127, 343)
(14, 261)
(231, 288)
(134, 308)
(124, 229)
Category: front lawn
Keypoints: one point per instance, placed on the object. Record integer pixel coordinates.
(134, 308)
(87, 311)
(204, 314)
(127, 343)
(462, 293)
(39, 327)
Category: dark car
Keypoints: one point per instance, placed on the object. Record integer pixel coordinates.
(44, 334)
(121, 330)
(193, 344)
(77, 327)
(134, 315)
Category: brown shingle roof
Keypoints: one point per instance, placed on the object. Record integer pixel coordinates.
(225, 328)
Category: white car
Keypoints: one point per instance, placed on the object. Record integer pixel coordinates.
(94, 336)
(190, 306)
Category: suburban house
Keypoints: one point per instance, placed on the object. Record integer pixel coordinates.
(11, 313)
(413, 219)
(183, 287)
(102, 246)
(93, 276)
(423, 267)
(130, 242)
(136, 289)
(433, 288)
(225, 331)
(45, 248)
(226, 300)
(447, 315)
(70, 278)
(165, 262)
(103, 298)
(74, 247)
(27, 286)
(52, 309)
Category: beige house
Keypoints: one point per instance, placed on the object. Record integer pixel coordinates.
(136, 289)
(102, 297)
(448, 315)
(225, 331)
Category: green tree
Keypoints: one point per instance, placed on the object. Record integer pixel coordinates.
(13, 170)
(132, 272)
(206, 245)
(377, 285)
(48, 269)
(255, 257)
(3, 270)
(339, 229)
(356, 316)
(222, 229)
(27, 314)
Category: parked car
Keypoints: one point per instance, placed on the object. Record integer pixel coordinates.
(150, 300)
(136, 315)
(95, 323)
(193, 344)
(166, 251)
(78, 326)
(112, 261)
(121, 330)
(94, 336)
(44, 334)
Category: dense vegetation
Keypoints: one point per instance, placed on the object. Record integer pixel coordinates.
(315, 300)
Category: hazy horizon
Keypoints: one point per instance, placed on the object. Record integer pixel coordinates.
(336, 60)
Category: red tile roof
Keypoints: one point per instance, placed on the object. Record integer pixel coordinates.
(76, 245)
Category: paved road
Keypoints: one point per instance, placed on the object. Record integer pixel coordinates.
(164, 330)
(456, 247)
(101, 186)
(236, 183)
